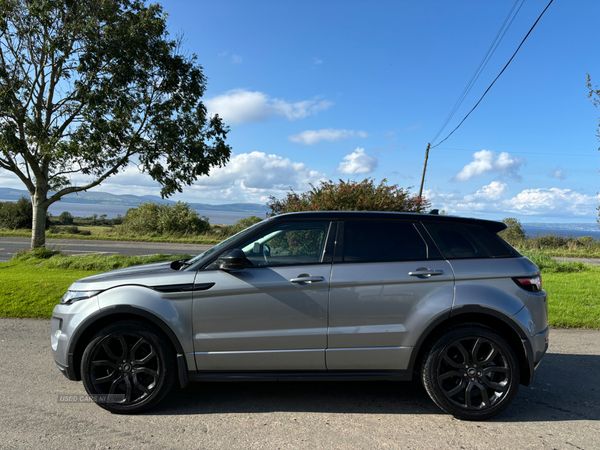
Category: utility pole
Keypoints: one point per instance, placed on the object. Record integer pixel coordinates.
(424, 169)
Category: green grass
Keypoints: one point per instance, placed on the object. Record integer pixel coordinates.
(573, 299)
(31, 285)
(27, 291)
(579, 252)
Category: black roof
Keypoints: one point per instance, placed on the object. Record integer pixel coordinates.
(491, 225)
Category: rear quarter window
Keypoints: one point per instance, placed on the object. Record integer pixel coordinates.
(494, 244)
(468, 241)
(454, 241)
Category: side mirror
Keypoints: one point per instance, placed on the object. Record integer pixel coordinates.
(234, 260)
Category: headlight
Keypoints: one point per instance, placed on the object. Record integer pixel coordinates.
(74, 296)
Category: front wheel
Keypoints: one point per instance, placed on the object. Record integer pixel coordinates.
(471, 373)
(128, 367)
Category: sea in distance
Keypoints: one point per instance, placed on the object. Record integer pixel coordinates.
(230, 217)
(112, 211)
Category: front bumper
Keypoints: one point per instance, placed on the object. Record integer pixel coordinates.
(65, 320)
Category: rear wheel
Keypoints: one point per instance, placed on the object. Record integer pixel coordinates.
(128, 367)
(471, 373)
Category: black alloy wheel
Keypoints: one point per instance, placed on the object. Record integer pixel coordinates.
(128, 367)
(471, 373)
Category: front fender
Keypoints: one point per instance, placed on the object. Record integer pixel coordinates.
(171, 311)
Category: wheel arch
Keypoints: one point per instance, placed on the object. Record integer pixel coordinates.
(505, 326)
(84, 333)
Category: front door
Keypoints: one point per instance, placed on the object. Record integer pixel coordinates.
(272, 315)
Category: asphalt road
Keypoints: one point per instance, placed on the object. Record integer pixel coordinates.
(10, 245)
(560, 410)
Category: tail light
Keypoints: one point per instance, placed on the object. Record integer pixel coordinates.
(531, 284)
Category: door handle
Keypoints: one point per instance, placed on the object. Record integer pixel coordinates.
(307, 279)
(426, 273)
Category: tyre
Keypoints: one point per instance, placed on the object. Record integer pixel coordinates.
(471, 372)
(128, 367)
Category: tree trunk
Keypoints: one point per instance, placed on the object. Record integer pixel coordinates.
(38, 227)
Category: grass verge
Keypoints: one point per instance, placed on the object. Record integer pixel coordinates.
(31, 285)
(573, 299)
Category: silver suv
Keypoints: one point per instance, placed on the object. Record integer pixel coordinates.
(318, 295)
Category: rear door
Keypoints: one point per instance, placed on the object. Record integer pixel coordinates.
(387, 285)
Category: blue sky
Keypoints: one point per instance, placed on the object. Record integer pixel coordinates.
(317, 90)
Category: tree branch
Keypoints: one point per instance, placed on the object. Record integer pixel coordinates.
(69, 190)
(11, 166)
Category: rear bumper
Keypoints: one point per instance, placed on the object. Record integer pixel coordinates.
(535, 348)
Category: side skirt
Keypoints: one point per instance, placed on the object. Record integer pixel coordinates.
(299, 376)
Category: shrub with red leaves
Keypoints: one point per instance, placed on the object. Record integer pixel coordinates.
(350, 196)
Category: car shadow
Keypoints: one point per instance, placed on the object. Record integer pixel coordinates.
(564, 388)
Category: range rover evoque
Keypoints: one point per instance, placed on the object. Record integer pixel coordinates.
(316, 295)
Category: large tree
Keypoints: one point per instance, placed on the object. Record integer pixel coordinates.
(88, 87)
(594, 96)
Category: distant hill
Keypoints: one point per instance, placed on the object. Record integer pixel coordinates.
(563, 226)
(104, 198)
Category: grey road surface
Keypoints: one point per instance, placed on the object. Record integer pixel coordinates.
(560, 410)
(592, 261)
(10, 245)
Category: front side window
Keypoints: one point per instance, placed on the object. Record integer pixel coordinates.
(382, 242)
(287, 244)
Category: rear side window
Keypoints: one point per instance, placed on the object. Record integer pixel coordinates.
(382, 242)
(455, 241)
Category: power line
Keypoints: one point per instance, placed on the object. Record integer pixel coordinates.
(501, 72)
(522, 153)
(493, 46)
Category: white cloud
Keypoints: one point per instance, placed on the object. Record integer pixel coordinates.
(310, 137)
(494, 199)
(551, 201)
(241, 106)
(558, 174)
(486, 161)
(236, 59)
(492, 192)
(253, 177)
(358, 162)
